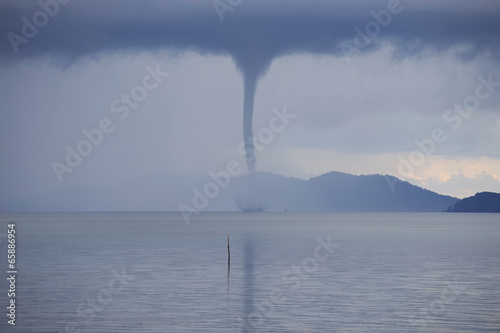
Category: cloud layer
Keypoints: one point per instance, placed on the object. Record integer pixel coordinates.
(254, 32)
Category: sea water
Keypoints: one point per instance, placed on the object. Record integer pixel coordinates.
(152, 272)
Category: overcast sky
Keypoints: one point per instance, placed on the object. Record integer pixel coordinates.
(374, 87)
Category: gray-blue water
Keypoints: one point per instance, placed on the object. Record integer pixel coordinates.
(289, 273)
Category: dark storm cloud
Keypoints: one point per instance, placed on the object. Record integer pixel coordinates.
(254, 32)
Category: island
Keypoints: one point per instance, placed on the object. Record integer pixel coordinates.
(483, 202)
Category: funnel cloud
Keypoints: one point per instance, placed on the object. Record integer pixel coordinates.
(250, 83)
(254, 34)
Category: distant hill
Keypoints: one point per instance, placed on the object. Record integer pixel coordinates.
(484, 202)
(333, 192)
(344, 192)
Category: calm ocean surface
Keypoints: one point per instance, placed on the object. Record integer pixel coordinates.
(151, 272)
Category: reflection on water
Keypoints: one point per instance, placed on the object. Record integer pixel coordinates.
(248, 279)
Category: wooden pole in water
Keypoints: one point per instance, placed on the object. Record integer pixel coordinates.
(228, 254)
(228, 270)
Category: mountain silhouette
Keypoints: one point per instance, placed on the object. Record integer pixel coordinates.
(163, 191)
